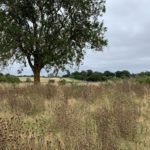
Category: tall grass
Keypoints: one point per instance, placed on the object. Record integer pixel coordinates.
(109, 116)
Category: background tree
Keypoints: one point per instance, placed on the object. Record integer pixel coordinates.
(89, 72)
(49, 33)
(123, 74)
(109, 74)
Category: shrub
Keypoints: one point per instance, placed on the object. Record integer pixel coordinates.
(62, 82)
(13, 79)
(143, 80)
(2, 79)
(28, 80)
(51, 81)
(96, 77)
(9, 79)
(123, 74)
(1, 74)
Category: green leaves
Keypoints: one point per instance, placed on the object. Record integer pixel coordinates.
(54, 33)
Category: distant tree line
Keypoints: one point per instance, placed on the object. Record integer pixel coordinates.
(92, 76)
(7, 78)
(89, 75)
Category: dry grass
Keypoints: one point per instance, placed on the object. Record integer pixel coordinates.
(45, 80)
(112, 116)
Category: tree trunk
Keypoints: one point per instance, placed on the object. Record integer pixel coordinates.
(36, 75)
(35, 66)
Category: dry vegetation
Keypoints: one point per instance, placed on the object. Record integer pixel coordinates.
(45, 80)
(111, 116)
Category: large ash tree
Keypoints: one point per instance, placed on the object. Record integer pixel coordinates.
(49, 33)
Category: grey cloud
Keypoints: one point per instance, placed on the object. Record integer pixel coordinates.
(128, 35)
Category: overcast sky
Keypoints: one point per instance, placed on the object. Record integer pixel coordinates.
(128, 23)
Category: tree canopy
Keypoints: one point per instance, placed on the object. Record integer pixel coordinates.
(50, 33)
(90, 75)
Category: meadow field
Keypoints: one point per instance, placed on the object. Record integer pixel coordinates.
(45, 80)
(108, 116)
